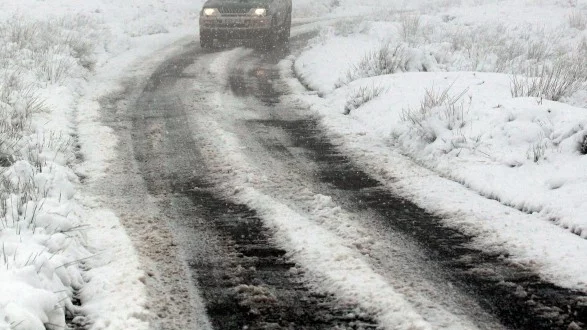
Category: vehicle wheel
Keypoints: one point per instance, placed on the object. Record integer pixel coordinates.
(206, 42)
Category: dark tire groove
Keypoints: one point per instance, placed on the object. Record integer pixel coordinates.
(254, 286)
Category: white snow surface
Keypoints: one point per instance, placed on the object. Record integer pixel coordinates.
(507, 169)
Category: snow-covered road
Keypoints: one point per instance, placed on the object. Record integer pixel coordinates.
(340, 183)
(245, 209)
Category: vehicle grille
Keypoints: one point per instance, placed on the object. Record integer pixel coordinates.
(233, 11)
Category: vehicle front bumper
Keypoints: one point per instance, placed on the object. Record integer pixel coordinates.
(244, 27)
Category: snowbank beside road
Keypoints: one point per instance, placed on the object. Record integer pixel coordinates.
(58, 244)
(43, 245)
(490, 132)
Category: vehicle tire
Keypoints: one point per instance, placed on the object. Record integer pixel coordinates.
(206, 42)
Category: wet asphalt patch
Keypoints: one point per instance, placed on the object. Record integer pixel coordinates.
(519, 298)
(255, 286)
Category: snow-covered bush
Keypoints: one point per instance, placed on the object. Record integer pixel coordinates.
(410, 27)
(140, 28)
(362, 95)
(578, 20)
(537, 151)
(538, 50)
(19, 100)
(438, 112)
(53, 49)
(40, 232)
(564, 79)
(493, 48)
(387, 59)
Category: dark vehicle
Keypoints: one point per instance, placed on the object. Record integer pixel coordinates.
(265, 21)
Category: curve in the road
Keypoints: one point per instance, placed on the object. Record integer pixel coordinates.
(245, 277)
(246, 281)
(517, 296)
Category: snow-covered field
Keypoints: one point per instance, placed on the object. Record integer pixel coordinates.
(487, 96)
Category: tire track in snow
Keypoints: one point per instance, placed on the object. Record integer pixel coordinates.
(246, 282)
(330, 263)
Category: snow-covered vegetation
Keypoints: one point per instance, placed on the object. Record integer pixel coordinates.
(49, 53)
(487, 94)
(41, 232)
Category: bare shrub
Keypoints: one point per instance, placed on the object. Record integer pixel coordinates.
(361, 96)
(538, 50)
(578, 20)
(387, 59)
(18, 102)
(583, 145)
(451, 109)
(537, 151)
(485, 49)
(55, 49)
(19, 31)
(54, 68)
(410, 27)
(563, 79)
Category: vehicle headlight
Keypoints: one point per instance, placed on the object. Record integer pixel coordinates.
(259, 11)
(210, 12)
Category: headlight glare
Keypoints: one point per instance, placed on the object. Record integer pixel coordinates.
(210, 12)
(260, 12)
